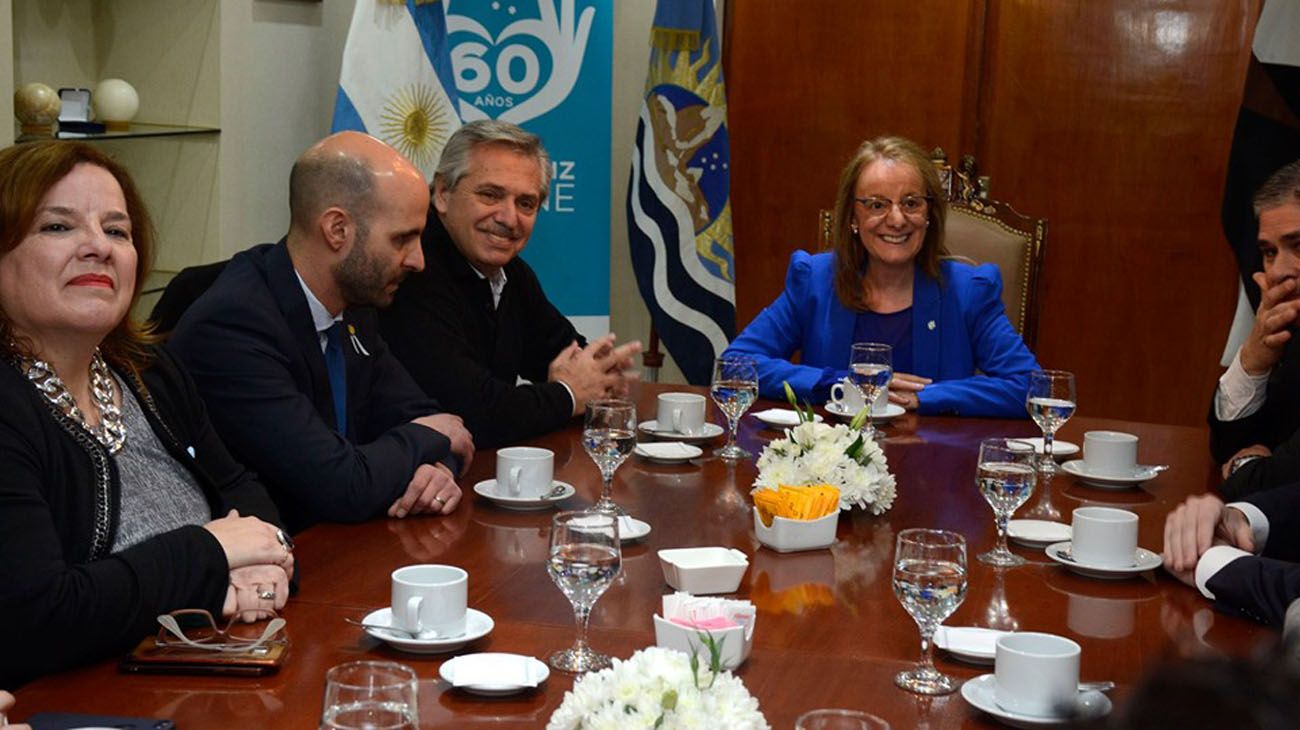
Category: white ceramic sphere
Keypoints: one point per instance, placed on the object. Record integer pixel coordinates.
(115, 101)
(36, 104)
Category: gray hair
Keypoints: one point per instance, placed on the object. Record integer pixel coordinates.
(454, 163)
(321, 180)
(1281, 187)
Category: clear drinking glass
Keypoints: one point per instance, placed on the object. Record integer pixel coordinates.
(870, 368)
(585, 557)
(609, 435)
(839, 720)
(930, 582)
(1005, 476)
(370, 696)
(735, 388)
(1050, 402)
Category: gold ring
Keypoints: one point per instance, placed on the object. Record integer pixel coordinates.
(440, 500)
(266, 595)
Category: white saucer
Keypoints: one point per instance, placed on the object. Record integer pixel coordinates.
(530, 672)
(488, 488)
(892, 411)
(477, 625)
(782, 417)
(974, 644)
(667, 452)
(1060, 449)
(630, 528)
(1037, 533)
(979, 693)
(1141, 474)
(708, 433)
(1144, 560)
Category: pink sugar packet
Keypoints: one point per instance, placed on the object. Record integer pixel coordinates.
(708, 624)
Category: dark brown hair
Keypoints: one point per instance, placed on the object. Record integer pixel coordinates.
(27, 172)
(850, 256)
(1282, 187)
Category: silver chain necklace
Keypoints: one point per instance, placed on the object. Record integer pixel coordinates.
(111, 431)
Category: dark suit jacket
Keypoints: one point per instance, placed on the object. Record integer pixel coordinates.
(468, 355)
(1264, 587)
(251, 346)
(1276, 425)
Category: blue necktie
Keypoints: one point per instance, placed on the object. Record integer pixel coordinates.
(338, 372)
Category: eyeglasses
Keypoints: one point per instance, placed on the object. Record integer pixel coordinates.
(911, 206)
(200, 631)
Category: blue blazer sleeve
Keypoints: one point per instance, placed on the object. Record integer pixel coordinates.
(1259, 588)
(789, 325)
(1282, 507)
(984, 365)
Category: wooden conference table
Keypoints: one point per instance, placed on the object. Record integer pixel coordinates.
(829, 634)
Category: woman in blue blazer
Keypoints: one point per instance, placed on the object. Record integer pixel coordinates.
(886, 280)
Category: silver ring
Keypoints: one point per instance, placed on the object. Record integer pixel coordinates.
(266, 595)
(284, 540)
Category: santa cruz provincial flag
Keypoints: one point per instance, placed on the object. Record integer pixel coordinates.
(396, 83)
(678, 202)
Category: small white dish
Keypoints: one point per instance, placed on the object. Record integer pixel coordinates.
(1143, 560)
(477, 625)
(1037, 533)
(494, 674)
(668, 452)
(788, 536)
(630, 528)
(735, 645)
(1079, 468)
(782, 417)
(892, 411)
(704, 570)
(708, 433)
(1060, 449)
(973, 644)
(488, 488)
(978, 692)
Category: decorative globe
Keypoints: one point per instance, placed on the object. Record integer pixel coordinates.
(36, 106)
(115, 103)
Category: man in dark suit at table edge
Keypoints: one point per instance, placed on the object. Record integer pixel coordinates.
(476, 321)
(287, 356)
(1255, 414)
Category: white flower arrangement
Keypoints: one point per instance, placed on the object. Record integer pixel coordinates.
(658, 688)
(839, 455)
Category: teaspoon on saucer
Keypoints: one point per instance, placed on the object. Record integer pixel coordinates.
(417, 635)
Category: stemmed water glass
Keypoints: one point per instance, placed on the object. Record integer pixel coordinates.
(871, 365)
(1050, 402)
(370, 694)
(609, 435)
(930, 582)
(735, 388)
(585, 557)
(1005, 476)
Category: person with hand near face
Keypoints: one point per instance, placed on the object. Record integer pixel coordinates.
(285, 348)
(1255, 414)
(476, 321)
(887, 280)
(118, 501)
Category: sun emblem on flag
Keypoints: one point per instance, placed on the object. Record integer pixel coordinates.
(415, 124)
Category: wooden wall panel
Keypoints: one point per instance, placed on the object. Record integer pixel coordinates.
(1110, 118)
(1113, 120)
(806, 83)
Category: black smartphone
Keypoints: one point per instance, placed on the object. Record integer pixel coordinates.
(72, 720)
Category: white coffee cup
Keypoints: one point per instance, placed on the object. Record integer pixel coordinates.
(681, 413)
(1104, 537)
(846, 396)
(430, 598)
(1036, 674)
(1110, 453)
(525, 471)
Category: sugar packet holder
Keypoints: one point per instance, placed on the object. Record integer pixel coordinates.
(688, 619)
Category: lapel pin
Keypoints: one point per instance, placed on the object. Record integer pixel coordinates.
(360, 349)
(930, 325)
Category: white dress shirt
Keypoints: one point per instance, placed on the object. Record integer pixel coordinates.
(1219, 556)
(1239, 394)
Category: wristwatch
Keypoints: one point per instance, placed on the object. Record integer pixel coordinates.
(1241, 461)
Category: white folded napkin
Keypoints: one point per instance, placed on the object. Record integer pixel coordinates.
(969, 640)
(782, 416)
(494, 670)
(667, 450)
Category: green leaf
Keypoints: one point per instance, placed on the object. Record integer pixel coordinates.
(855, 448)
(789, 395)
(858, 420)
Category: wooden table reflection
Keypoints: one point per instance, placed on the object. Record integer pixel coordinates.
(829, 634)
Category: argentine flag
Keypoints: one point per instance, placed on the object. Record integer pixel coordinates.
(397, 83)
